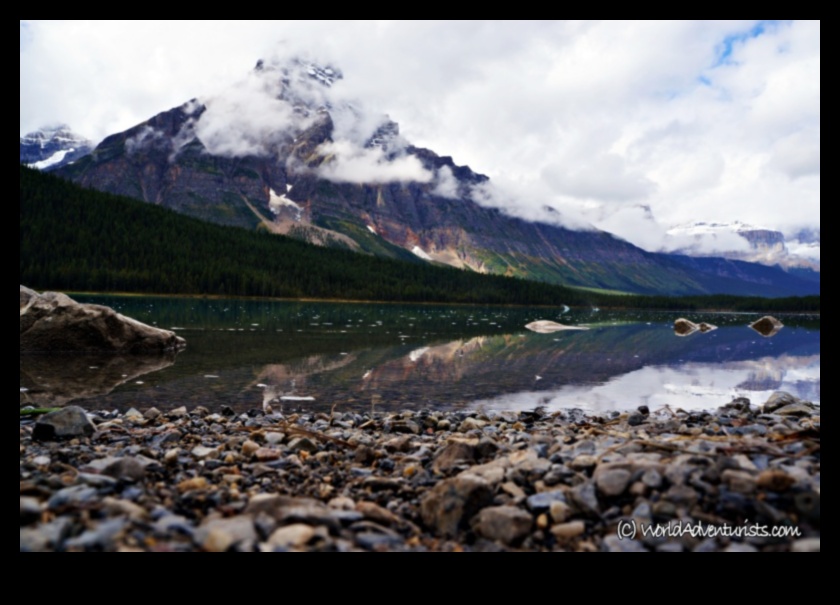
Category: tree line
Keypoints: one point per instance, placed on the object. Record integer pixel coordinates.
(75, 239)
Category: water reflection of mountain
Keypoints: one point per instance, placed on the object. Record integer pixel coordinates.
(356, 370)
(48, 380)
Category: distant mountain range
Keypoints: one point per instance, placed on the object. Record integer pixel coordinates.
(53, 147)
(288, 166)
(759, 245)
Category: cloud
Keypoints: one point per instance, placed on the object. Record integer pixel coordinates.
(446, 185)
(348, 163)
(701, 120)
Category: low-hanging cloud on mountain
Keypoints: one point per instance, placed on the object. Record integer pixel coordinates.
(701, 120)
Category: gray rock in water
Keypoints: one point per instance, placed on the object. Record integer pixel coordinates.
(55, 323)
(550, 327)
(505, 524)
(69, 423)
(767, 326)
(452, 503)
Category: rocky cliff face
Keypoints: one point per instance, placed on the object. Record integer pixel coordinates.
(304, 179)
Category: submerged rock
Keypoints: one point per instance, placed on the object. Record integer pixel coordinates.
(550, 327)
(55, 323)
(684, 327)
(767, 326)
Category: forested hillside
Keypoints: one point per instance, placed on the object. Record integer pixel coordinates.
(81, 240)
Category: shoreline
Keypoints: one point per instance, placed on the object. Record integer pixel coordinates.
(190, 480)
(338, 301)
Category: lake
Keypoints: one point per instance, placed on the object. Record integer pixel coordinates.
(245, 354)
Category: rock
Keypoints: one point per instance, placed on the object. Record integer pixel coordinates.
(293, 536)
(616, 544)
(454, 502)
(30, 511)
(129, 470)
(775, 481)
(453, 456)
(798, 410)
(304, 444)
(221, 534)
(205, 453)
(55, 323)
(69, 423)
(584, 463)
(740, 482)
(550, 327)
(636, 420)
(612, 482)
(540, 503)
(191, 485)
(377, 514)
(779, 400)
(568, 531)
(684, 327)
(809, 545)
(585, 499)
(767, 326)
(739, 547)
(101, 537)
(507, 525)
(704, 327)
(249, 448)
(560, 512)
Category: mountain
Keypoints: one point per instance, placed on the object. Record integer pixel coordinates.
(798, 254)
(53, 147)
(284, 154)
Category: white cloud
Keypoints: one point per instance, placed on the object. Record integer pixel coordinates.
(346, 162)
(589, 117)
(446, 185)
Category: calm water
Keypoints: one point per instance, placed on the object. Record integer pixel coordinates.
(245, 354)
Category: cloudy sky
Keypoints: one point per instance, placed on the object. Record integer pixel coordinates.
(611, 122)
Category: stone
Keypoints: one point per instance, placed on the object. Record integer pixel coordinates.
(377, 514)
(779, 400)
(568, 531)
(740, 481)
(507, 525)
(101, 537)
(453, 503)
(775, 481)
(249, 448)
(550, 327)
(585, 499)
(293, 536)
(126, 469)
(584, 463)
(191, 485)
(304, 444)
(684, 327)
(205, 453)
(560, 512)
(740, 547)
(55, 323)
(220, 535)
(767, 326)
(612, 482)
(30, 511)
(125, 508)
(540, 503)
(808, 545)
(798, 410)
(616, 544)
(69, 423)
(453, 456)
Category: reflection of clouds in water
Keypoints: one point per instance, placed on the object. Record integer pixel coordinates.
(690, 386)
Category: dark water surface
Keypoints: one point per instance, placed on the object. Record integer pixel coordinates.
(245, 354)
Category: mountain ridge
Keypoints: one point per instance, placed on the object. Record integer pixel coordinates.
(406, 201)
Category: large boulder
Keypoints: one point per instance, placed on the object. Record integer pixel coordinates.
(55, 323)
(684, 327)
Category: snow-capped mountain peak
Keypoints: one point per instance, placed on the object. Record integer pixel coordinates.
(52, 147)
